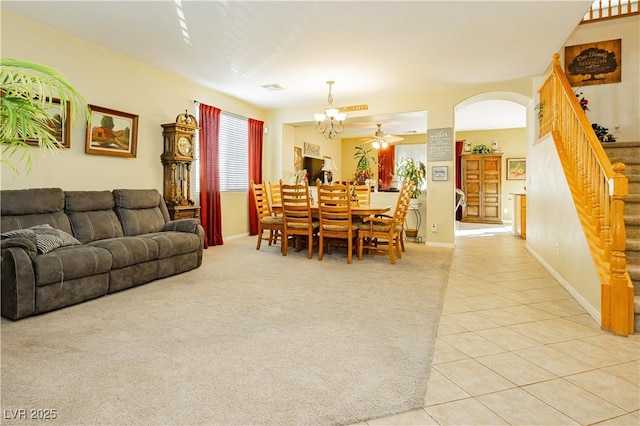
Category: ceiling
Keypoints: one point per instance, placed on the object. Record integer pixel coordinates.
(370, 48)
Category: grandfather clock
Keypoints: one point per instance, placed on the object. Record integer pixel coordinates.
(177, 158)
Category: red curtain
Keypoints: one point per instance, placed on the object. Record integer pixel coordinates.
(210, 213)
(256, 130)
(386, 166)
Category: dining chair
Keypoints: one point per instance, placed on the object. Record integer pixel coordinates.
(274, 193)
(362, 193)
(266, 220)
(386, 232)
(334, 211)
(298, 221)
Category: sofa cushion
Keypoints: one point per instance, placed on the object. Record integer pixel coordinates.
(174, 243)
(45, 237)
(129, 250)
(140, 211)
(23, 208)
(92, 216)
(71, 262)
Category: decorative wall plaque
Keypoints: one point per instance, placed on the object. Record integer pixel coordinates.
(440, 144)
(594, 63)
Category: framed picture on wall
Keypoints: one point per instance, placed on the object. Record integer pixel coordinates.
(439, 173)
(111, 132)
(58, 122)
(516, 168)
(297, 158)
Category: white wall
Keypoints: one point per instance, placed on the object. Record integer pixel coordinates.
(117, 82)
(615, 105)
(554, 232)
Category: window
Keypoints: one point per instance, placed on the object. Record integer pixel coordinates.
(416, 151)
(234, 156)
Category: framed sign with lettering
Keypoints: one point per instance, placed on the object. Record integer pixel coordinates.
(440, 144)
(594, 63)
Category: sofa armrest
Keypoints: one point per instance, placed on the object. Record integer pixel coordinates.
(24, 243)
(182, 225)
(18, 285)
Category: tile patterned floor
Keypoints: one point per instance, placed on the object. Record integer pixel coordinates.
(514, 348)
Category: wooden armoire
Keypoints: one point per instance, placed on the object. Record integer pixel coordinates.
(482, 182)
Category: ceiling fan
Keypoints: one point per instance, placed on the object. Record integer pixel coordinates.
(380, 140)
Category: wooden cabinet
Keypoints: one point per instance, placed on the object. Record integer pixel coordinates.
(482, 182)
(184, 212)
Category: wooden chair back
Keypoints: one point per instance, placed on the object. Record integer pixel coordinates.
(266, 220)
(274, 193)
(334, 209)
(296, 211)
(389, 229)
(261, 199)
(362, 194)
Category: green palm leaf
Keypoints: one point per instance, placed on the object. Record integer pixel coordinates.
(27, 90)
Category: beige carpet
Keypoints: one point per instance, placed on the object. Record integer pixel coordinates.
(251, 337)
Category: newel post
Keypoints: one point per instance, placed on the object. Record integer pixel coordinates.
(621, 290)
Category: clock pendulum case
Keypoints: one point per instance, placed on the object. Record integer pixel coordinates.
(176, 159)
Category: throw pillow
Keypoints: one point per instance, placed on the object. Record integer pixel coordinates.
(47, 238)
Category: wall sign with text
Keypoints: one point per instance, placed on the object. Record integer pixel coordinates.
(439, 144)
(594, 63)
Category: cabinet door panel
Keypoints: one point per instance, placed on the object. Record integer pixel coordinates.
(482, 183)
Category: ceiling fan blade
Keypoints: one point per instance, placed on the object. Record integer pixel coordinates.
(393, 138)
(366, 139)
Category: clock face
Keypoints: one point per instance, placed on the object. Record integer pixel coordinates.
(184, 145)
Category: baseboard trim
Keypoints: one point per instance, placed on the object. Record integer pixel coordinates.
(235, 237)
(595, 314)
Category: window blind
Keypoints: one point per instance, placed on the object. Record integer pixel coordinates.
(234, 157)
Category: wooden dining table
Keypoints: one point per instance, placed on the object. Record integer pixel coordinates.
(359, 210)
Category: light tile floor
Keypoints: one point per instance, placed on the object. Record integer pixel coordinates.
(515, 348)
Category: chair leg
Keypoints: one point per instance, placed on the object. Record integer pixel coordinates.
(349, 250)
(391, 247)
(285, 244)
(310, 246)
(320, 247)
(259, 239)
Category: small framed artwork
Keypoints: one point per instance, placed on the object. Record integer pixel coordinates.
(297, 158)
(111, 132)
(516, 168)
(439, 173)
(311, 150)
(59, 123)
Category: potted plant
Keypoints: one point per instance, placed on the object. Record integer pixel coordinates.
(365, 160)
(27, 91)
(409, 169)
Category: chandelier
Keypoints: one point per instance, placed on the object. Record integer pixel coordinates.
(330, 123)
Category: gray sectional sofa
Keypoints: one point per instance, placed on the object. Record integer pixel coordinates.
(60, 247)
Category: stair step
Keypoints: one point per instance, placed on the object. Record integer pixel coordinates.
(622, 149)
(631, 219)
(633, 245)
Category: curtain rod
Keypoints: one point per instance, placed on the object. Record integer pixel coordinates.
(226, 112)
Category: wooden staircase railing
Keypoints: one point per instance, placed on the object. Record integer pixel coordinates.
(602, 10)
(598, 189)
